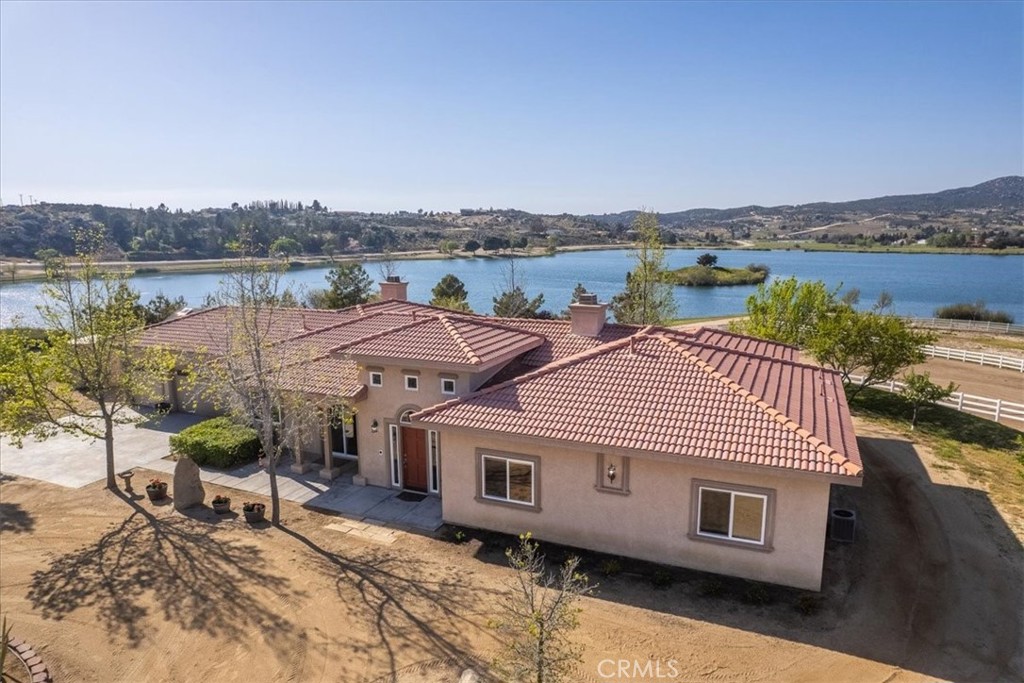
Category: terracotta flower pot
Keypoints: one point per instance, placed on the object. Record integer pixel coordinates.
(156, 492)
(255, 514)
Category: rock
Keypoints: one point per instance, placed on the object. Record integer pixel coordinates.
(188, 487)
(469, 676)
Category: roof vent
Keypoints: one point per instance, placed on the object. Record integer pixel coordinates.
(393, 278)
(588, 299)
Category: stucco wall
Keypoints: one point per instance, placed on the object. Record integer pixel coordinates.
(386, 403)
(652, 522)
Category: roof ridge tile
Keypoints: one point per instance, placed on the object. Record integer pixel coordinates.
(533, 374)
(464, 345)
(824, 449)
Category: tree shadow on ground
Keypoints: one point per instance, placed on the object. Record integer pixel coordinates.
(175, 564)
(409, 610)
(14, 519)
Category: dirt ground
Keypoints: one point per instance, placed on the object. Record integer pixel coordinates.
(979, 380)
(115, 590)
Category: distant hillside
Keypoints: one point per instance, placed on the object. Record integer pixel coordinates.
(987, 215)
(1001, 193)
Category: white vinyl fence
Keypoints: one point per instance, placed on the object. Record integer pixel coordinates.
(975, 357)
(967, 325)
(991, 408)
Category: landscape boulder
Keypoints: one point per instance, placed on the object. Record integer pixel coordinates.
(188, 487)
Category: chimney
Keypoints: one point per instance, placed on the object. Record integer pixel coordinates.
(587, 316)
(393, 289)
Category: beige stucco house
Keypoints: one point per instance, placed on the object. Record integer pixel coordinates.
(699, 449)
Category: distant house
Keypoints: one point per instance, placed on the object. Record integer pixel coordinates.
(705, 450)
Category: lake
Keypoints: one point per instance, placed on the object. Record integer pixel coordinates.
(918, 282)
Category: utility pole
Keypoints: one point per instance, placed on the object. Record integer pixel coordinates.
(21, 200)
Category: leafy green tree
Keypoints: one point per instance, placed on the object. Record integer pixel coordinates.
(284, 247)
(866, 343)
(349, 285)
(514, 303)
(577, 291)
(161, 308)
(495, 243)
(87, 377)
(920, 391)
(788, 311)
(708, 260)
(647, 298)
(471, 246)
(450, 292)
(539, 613)
(446, 246)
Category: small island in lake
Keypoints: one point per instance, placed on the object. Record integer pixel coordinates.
(707, 273)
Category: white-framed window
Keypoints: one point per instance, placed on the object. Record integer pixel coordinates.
(412, 383)
(508, 480)
(396, 461)
(447, 385)
(433, 462)
(376, 378)
(732, 515)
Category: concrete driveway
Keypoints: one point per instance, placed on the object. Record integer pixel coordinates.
(71, 461)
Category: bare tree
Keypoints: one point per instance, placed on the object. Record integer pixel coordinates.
(540, 612)
(257, 375)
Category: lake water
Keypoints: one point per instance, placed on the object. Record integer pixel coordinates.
(918, 282)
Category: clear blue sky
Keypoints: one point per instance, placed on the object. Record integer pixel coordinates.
(546, 107)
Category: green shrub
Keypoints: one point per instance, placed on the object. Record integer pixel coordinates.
(975, 311)
(711, 588)
(661, 578)
(146, 270)
(611, 567)
(756, 594)
(219, 442)
(808, 604)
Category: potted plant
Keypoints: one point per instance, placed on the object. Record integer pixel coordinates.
(156, 489)
(221, 505)
(253, 511)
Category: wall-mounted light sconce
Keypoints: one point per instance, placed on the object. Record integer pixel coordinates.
(611, 473)
(374, 426)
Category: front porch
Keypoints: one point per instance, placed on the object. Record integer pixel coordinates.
(368, 504)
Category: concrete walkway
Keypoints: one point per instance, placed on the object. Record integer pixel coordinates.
(371, 504)
(73, 462)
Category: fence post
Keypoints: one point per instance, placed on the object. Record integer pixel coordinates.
(999, 408)
(960, 402)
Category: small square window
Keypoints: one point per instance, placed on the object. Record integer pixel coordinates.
(376, 379)
(447, 386)
(412, 382)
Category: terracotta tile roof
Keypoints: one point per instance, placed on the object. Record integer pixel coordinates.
(740, 342)
(559, 340)
(655, 393)
(205, 329)
(326, 376)
(445, 338)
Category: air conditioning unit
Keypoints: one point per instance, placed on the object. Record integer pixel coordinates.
(844, 525)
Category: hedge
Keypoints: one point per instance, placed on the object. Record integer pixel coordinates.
(219, 442)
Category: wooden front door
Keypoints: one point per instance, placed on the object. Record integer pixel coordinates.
(414, 459)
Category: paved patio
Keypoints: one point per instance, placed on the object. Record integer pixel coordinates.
(73, 462)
